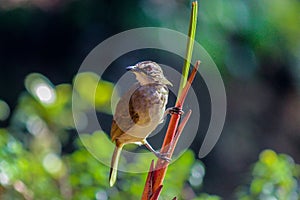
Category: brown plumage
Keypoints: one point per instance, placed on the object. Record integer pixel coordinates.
(139, 111)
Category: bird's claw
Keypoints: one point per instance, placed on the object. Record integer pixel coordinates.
(163, 156)
(176, 110)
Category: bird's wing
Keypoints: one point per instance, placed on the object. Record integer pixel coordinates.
(124, 117)
(139, 105)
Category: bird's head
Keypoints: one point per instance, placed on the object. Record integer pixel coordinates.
(149, 72)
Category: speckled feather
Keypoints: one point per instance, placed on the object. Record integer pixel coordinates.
(139, 111)
(142, 105)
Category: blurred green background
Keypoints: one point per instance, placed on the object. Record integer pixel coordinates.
(255, 44)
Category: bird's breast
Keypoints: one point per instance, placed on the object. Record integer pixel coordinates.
(141, 114)
(159, 104)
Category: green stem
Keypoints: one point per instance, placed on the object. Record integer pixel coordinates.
(190, 45)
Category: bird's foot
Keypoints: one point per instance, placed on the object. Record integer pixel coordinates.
(175, 110)
(163, 156)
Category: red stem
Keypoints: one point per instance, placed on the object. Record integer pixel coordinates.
(169, 144)
(148, 185)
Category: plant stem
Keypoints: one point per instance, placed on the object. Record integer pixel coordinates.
(169, 144)
(190, 46)
(156, 176)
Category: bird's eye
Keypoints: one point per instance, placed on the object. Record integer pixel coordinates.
(148, 68)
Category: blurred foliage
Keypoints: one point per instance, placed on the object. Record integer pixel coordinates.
(40, 155)
(275, 176)
(102, 90)
(4, 110)
(207, 197)
(246, 32)
(34, 166)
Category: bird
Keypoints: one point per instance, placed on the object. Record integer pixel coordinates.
(139, 111)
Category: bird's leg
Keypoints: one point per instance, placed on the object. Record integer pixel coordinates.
(163, 156)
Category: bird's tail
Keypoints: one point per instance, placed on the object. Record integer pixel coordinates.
(114, 165)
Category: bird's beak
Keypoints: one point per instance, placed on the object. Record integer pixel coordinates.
(129, 68)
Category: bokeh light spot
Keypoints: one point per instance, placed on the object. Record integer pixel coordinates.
(101, 195)
(4, 110)
(35, 125)
(268, 157)
(45, 94)
(197, 174)
(41, 88)
(4, 179)
(52, 163)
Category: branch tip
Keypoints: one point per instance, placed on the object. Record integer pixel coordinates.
(156, 193)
